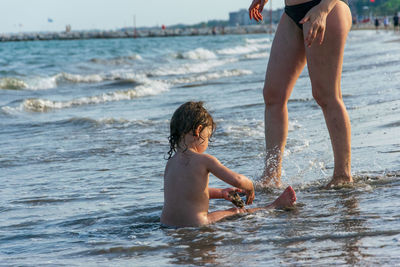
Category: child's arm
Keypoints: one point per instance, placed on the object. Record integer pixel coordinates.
(214, 193)
(230, 177)
(222, 193)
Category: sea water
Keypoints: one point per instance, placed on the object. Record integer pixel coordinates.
(83, 141)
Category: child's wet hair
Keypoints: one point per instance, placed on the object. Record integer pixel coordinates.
(186, 119)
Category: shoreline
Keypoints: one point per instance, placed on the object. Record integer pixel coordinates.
(151, 33)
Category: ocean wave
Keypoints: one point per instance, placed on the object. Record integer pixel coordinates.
(44, 83)
(77, 78)
(244, 49)
(95, 78)
(256, 55)
(12, 83)
(190, 68)
(33, 83)
(84, 121)
(50, 82)
(109, 122)
(117, 60)
(87, 122)
(198, 53)
(212, 76)
(44, 105)
(257, 40)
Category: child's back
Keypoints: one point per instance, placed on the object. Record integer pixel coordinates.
(186, 196)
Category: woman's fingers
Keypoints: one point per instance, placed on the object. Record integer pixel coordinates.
(315, 33)
(251, 8)
(317, 23)
(305, 19)
(321, 35)
(259, 16)
(311, 36)
(253, 14)
(255, 10)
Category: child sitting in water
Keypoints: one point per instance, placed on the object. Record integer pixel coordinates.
(186, 176)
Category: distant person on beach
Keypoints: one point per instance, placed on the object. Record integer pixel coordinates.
(377, 24)
(396, 22)
(386, 22)
(355, 20)
(186, 176)
(312, 32)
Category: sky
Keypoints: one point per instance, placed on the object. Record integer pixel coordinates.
(34, 15)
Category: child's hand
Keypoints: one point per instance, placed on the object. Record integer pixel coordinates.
(250, 195)
(225, 192)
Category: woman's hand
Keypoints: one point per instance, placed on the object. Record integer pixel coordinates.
(256, 8)
(317, 19)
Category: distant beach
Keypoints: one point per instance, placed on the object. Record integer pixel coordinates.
(152, 32)
(142, 33)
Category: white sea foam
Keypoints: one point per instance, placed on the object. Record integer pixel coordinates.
(43, 105)
(77, 78)
(11, 110)
(254, 128)
(198, 53)
(190, 68)
(257, 40)
(43, 83)
(12, 83)
(134, 57)
(293, 125)
(244, 49)
(95, 78)
(212, 76)
(256, 55)
(127, 76)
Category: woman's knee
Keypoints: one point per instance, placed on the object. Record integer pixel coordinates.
(325, 97)
(273, 97)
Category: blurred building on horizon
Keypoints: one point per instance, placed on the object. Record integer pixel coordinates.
(241, 17)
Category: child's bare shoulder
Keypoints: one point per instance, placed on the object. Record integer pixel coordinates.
(209, 160)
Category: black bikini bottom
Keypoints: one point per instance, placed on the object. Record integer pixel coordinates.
(297, 12)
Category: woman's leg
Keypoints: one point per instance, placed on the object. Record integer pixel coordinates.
(325, 68)
(286, 62)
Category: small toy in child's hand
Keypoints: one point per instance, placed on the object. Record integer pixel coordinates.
(236, 199)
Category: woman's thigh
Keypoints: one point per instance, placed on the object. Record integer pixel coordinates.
(286, 62)
(325, 61)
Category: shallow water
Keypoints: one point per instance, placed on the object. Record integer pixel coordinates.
(83, 137)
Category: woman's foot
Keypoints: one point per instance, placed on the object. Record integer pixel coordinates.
(340, 181)
(286, 200)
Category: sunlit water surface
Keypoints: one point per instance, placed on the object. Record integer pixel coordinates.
(83, 137)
